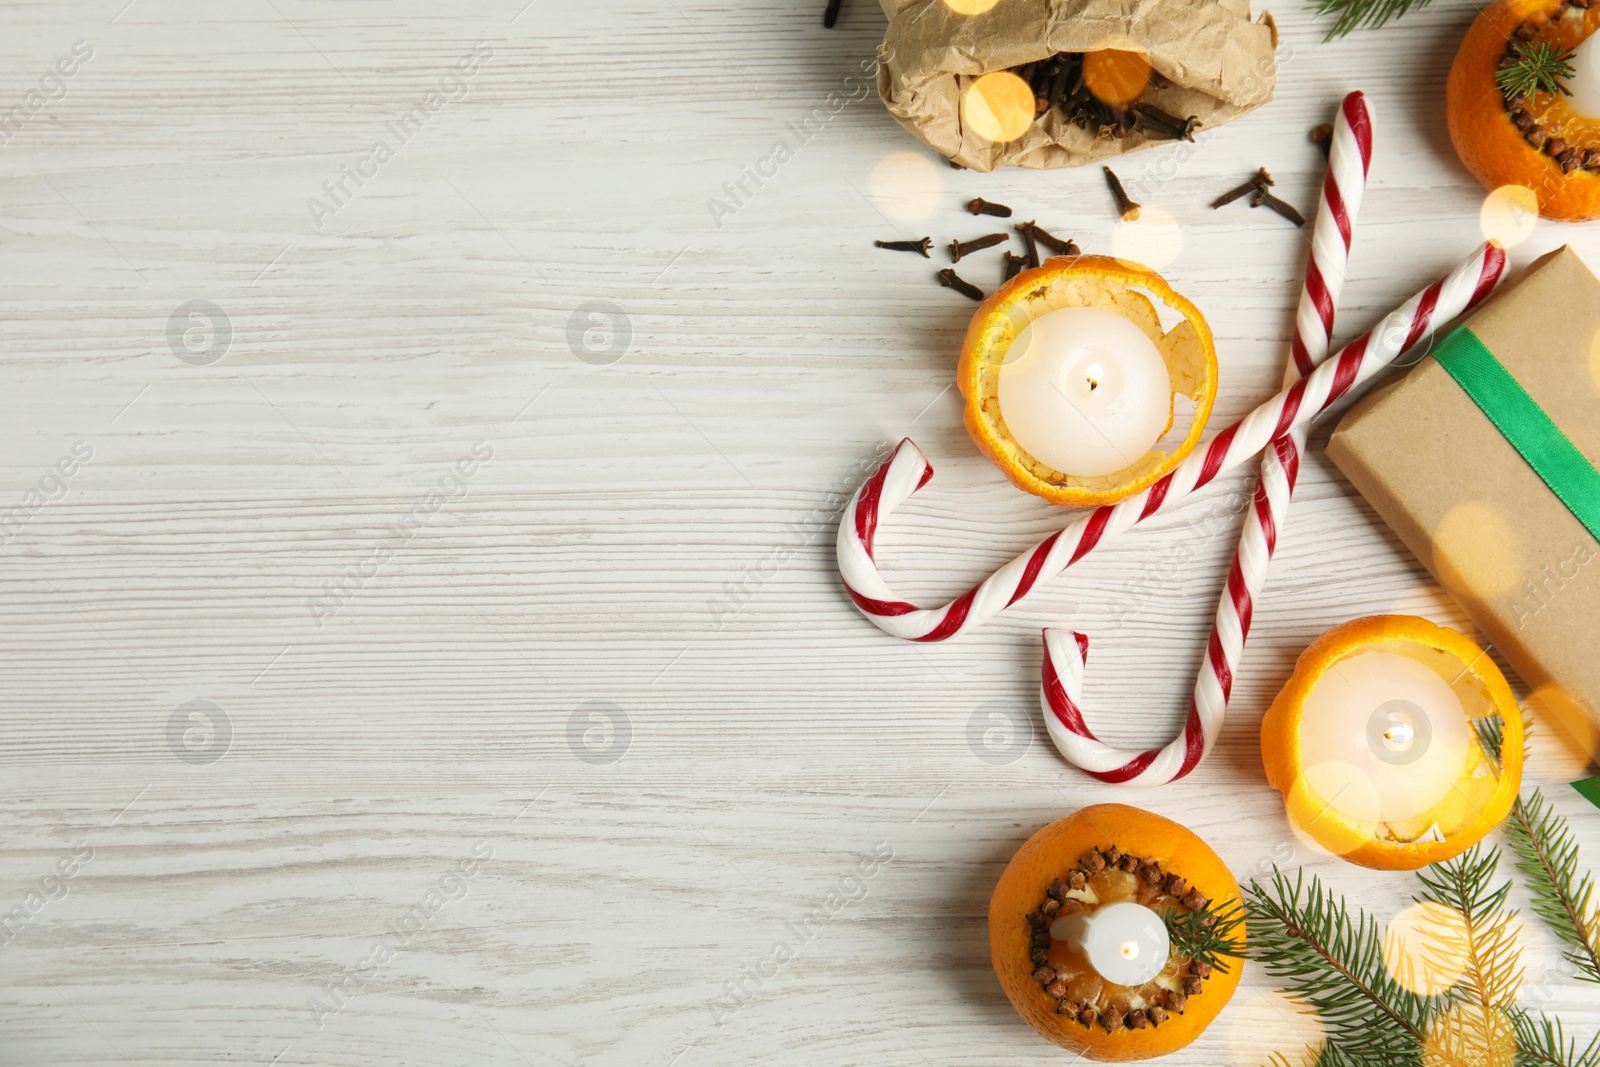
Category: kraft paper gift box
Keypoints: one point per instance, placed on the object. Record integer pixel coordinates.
(1473, 509)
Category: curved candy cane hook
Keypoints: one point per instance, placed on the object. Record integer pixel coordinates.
(907, 471)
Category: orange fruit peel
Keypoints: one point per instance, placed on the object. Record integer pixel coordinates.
(1487, 138)
(1111, 284)
(1170, 1019)
(1476, 803)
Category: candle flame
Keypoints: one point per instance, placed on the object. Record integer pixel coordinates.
(1130, 950)
(1094, 373)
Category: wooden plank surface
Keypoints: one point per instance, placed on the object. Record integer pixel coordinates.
(588, 673)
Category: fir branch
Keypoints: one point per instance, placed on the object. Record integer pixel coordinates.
(1535, 66)
(1307, 938)
(1350, 14)
(1208, 942)
(1541, 1042)
(1547, 855)
(1485, 943)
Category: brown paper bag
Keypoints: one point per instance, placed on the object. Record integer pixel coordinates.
(1220, 65)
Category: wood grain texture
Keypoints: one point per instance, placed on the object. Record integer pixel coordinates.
(570, 602)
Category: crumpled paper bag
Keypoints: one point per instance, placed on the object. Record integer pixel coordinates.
(1219, 62)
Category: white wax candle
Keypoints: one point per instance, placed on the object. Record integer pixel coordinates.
(1084, 391)
(1585, 80)
(1390, 721)
(1125, 943)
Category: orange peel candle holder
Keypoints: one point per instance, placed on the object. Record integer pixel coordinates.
(998, 335)
(1084, 870)
(1375, 745)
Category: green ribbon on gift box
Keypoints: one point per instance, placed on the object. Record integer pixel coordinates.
(1550, 453)
(1589, 789)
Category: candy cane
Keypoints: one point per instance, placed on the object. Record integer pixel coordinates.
(1349, 159)
(907, 470)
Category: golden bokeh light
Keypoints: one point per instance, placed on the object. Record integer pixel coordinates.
(1347, 795)
(970, 7)
(1475, 551)
(906, 186)
(1509, 214)
(1425, 948)
(1115, 76)
(1155, 239)
(997, 106)
(1266, 1021)
(1470, 1033)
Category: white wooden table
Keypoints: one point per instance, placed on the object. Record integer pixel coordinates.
(521, 709)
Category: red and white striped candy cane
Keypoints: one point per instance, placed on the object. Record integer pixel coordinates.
(1349, 160)
(907, 470)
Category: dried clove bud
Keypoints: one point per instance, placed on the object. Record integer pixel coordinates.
(1111, 1019)
(1200, 969)
(1037, 920)
(1137, 1020)
(1322, 137)
(1256, 183)
(1094, 860)
(1177, 885)
(1050, 907)
(908, 246)
(951, 280)
(977, 244)
(1194, 901)
(1076, 880)
(1282, 207)
(979, 206)
(1157, 1014)
(1057, 989)
(831, 15)
(1044, 975)
(1192, 985)
(1177, 1002)
(1051, 241)
(1013, 266)
(1126, 208)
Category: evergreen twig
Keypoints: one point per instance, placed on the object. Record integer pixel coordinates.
(1542, 1043)
(1305, 935)
(1536, 66)
(1211, 943)
(1351, 14)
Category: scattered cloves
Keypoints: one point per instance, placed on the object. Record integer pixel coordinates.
(1028, 241)
(831, 15)
(951, 280)
(1052, 242)
(908, 246)
(979, 206)
(1322, 137)
(1013, 266)
(1287, 210)
(1126, 208)
(1256, 183)
(977, 244)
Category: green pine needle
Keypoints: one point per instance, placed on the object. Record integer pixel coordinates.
(1209, 944)
(1307, 938)
(1547, 855)
(1542, 1043)
(1535, 67)
(1485, 943)
(1351, 14)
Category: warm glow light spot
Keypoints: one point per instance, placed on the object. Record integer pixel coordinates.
(997, 106)
(1264, 1021)
(1509, 214)
(1115, 76)
(970, 7)
(1130, 950)
(1343, 793)
(906, 186)
(1470, 1033)
(1154, 240)
(1425, 948)
(1475, 551)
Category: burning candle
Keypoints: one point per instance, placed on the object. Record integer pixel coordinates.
(1391, 730)
(1083, 390)
(1126, 943)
